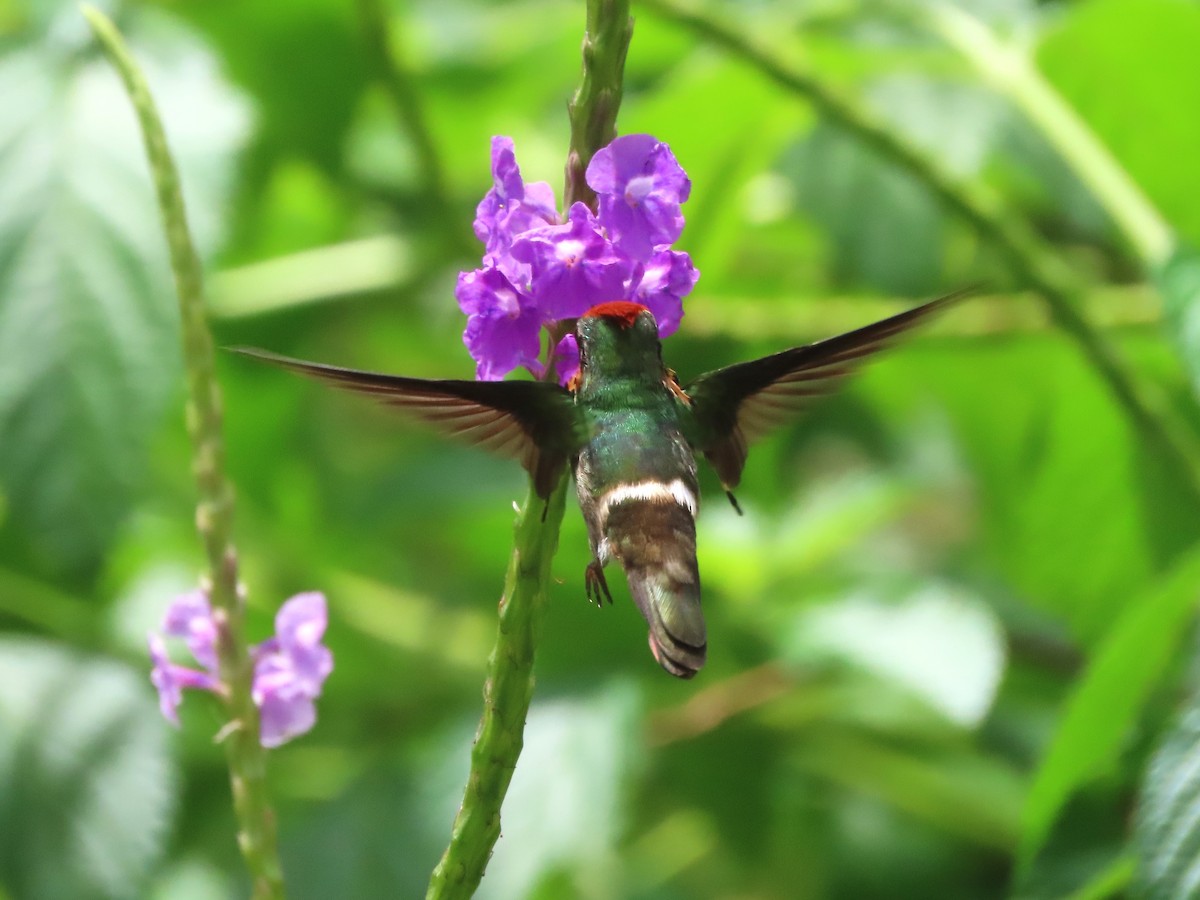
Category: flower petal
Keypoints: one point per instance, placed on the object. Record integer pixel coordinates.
(669, 276)
(640, 186)
(573, 266)
(503, 325)
(170, 679)
(284, 715)
(190, 616)
(566, 359)
(290, 669)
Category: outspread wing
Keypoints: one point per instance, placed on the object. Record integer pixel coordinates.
(534, 422)
(736, 405)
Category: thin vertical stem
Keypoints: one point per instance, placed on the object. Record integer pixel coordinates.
(507, 693)
(214, 508)
(593, 109)
(508, 690)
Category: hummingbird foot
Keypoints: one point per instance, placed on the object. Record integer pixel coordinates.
(595, 584)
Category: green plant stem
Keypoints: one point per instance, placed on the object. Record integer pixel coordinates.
(214, 509)
(593, 109)
(506, 696)
(1012, 73)
(508, 690)
(1030, 260)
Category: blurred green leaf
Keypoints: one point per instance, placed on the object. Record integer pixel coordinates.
(88, 344)
(938, 642)
(1178, 281)
(1051, 458)
(1129, 67)
(301, 63)
(884, 227)
(86, 782)
(967, 795)
(1167, 828)
(1107, 700)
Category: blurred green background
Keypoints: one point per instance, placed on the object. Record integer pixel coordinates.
(947, 640)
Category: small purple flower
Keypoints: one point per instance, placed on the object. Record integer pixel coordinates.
(566, 359)
(190, 617)
(170, 680)
(503, 326)
(289, 667)
(640, 187)
(573, 266)
(668, 277)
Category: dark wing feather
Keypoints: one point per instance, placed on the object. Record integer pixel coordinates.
(534, 422)
(736, 405)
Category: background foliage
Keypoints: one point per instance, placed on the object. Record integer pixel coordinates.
(950, 635)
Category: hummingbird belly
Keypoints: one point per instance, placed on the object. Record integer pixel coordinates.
(637, 488)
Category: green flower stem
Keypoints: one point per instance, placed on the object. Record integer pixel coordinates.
(508, 689)
(506, 696)
(1031, 261)
(1012, 73)
(214, 510)
(593, 109)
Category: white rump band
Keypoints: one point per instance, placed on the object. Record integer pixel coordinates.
(650, 491)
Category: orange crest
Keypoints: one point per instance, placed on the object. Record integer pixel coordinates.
(623, 312)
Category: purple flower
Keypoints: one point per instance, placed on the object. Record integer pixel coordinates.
(539, 270)
(566, 359)
(190, 617)
(640, 187)
(573, 266)
(668, 277)
(170, 680)
(510, 207)
(503, 326)
(289, 667)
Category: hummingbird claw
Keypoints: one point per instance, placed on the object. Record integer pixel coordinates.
(595, 584)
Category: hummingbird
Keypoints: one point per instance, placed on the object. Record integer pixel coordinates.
(630, 432)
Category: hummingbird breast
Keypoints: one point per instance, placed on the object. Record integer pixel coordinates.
(637, 488)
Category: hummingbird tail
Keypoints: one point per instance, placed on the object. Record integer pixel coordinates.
(675, 621)
(657, 548)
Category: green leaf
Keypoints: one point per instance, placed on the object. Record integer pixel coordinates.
(1050, 466)
(86, 781)
(1107, 700)
(1178, 280)
(1120, 62)
(1167, 828)
(884, 227)
(88, 335)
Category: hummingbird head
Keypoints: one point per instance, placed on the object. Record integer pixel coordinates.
(618, 340)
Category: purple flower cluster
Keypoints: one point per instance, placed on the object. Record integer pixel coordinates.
(289, 667)
(539, 269)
